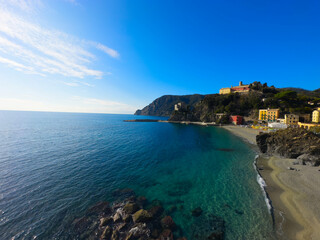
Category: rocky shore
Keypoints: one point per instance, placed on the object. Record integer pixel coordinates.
(135, 218)
(296, 143)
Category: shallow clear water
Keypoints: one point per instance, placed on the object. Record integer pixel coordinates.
(53, 166)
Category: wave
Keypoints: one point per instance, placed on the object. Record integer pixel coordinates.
(263, 185)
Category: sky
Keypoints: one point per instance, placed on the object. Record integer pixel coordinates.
(115, 56)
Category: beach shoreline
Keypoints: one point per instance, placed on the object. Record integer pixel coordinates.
(294, 193)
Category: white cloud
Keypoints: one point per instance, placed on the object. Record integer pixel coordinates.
(41, 51)
(75, 104)
(111, 52)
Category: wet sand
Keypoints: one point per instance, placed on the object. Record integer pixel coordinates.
(295, 194)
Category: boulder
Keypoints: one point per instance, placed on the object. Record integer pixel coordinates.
(307, 159)
(105, 221)
(167, 222)
(141, 216)
(166, 235)
(117, 217)
(156, 211)
(131, 208)
(107, 233)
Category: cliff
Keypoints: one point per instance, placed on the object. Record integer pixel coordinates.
(292, 143)
(164, 106)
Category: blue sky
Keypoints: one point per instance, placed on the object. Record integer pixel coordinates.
(117, 56)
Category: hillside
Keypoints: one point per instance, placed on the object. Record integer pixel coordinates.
(163, 106)
(205, 107)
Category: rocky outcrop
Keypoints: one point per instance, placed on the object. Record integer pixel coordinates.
(164, 106)
(292, 143)
(129, 219)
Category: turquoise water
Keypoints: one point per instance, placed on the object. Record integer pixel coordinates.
(53, 166)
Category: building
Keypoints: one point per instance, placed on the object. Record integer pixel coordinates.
(238, 89)
(305, 118)
(269, 115)
(236, 119)
(307, 125)
(180, 106)
(316, 116)
(291, 119)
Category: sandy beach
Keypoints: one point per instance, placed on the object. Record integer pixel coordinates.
(295, 194)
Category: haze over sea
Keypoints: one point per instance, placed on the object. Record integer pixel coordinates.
(54, 166)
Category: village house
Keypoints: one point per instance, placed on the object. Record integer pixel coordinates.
(236, 119)
(269, 115)
(316, 116)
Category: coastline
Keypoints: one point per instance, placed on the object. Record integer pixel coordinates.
(294, 194)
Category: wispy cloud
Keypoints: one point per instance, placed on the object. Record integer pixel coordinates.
(31, 48)
(75, 104)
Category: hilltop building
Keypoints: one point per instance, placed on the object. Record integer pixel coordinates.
(269, 115)
(316, 116)
(238, 89)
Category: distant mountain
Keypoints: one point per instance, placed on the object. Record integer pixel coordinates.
(163, 106)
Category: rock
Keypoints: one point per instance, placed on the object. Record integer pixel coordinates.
(155, 233)
(105, 221)
(216, 236)
(130, 237)
(117, 217)
(131, 208)
(127, 218)
(81, 224)
(115, 235)
(141, 216)
(307, 159)
(123, 193)
(122, 227)
(291, 168)
(291, 143)
(100, 208)
(107, 233)
(172, 209)
(142, 201)
(166, 235)
(196, 212)
(140, 231)
(167, 222)
(156, 211)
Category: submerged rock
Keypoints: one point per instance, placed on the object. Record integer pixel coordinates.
(196, 212)
(167, 222)
(156, 211)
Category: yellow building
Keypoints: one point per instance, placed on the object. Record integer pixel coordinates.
(291, 119)
(268, 114)
(316, 116)
(225, 91)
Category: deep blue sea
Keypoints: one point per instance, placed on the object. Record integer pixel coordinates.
(54, 166)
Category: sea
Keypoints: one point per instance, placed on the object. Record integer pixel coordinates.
(54, 166)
